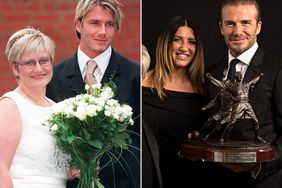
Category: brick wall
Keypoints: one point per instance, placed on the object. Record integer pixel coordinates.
(55, 18)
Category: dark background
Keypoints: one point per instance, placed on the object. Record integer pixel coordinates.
(205, 13)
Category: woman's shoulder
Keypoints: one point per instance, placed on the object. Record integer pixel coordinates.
(15, 97)
(7, 102)
(8, 99)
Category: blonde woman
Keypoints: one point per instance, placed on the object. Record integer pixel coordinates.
(28, 156)
(146, 60)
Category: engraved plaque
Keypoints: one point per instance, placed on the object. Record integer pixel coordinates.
(243, 157)
(227, 152)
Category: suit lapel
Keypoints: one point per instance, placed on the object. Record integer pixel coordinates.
(73, 76)
(254, 68)
(113, 69)
(218, 73)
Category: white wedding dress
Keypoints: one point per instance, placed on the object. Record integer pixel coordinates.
(37, 162)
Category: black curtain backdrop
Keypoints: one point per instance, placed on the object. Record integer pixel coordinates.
(205, 13)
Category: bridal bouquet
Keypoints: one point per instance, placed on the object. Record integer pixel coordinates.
(88, 126)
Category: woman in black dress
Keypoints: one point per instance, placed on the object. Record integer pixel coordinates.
(172, 101)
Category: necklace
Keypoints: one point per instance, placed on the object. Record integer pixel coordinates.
(45, 103)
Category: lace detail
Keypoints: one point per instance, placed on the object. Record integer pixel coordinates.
(37, 160)
(60, 160)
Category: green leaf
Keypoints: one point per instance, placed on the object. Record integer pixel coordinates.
(86, 134)
(119, 141)
(96, 143)
(70, 139)
(98, 183)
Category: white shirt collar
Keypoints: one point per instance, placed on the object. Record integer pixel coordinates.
(245, 57)
(102, 61)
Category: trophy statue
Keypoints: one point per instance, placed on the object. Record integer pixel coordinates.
(208, 144)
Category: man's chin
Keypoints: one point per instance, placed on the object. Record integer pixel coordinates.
(238, 49)
(100, 48)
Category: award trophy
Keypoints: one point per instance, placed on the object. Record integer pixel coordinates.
(233, 105)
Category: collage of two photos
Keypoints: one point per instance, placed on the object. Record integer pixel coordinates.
(139, 93)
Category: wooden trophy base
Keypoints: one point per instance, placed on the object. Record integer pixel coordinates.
(227, 152)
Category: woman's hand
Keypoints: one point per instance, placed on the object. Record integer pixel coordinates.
(73, 173)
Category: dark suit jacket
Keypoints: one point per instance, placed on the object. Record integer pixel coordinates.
(266, 100)
(151, 174)
(67, 82)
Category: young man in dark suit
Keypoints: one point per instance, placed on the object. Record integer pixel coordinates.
(240, 24)
(96, 23)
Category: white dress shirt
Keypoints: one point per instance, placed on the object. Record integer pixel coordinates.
(102, 61)
(245, 59)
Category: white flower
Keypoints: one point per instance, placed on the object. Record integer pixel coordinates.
(108, 113)
(80, 112)
(59, 107)
(88, 105)
(127, 110)
(100, 103)
(69, 111)
(86, 87)
(95, 112)
(54, 128)
(112, 103)
(107, 94)
(91, 110)
(131, 122)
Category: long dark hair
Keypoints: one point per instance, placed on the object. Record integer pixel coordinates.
(164, 62)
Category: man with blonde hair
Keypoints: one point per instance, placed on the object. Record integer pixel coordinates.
(96, 23)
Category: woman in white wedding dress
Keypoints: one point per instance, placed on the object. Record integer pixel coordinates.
(28, 155)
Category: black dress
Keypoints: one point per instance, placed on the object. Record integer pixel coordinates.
(171, 119)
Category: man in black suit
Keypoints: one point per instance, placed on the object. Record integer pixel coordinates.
(240, 24)
(96, 23)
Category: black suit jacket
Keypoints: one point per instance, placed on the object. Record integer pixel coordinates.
(266, 100)
(67, 82)
(151, 174)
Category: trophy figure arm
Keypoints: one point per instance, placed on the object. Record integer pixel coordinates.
(218, 83)
(211, 104)
(256, 79)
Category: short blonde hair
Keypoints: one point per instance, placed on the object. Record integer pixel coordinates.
(84, 6)
(146, 60)
(27, 41)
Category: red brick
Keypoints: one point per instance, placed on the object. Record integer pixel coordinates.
(55, 18)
